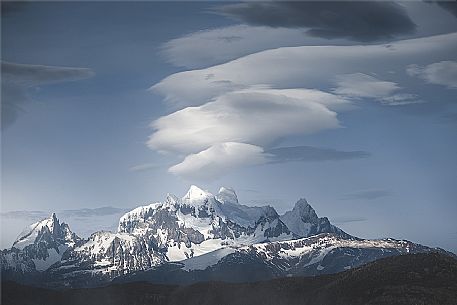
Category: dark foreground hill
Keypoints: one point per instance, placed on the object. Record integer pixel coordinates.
(419, 279)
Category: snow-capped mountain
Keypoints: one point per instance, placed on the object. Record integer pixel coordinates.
(199, 236)
(303, 221)
(39, 246)
(201, 222)
(320, 254)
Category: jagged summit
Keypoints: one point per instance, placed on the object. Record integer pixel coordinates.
(195, 194)
(48, 226)
(303, 221)
(305, 210)
(171, 230)
(40, 245)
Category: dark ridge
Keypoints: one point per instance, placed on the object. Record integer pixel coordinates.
(419, 279)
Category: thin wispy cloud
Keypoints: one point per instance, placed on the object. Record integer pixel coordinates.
(359, 85)
(339, 220)
(220, 159)
(312, 154)
(440, 73)
(144, 167)
(83, 212)
(17, 79)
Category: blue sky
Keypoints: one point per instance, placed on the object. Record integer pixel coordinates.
(364, 127)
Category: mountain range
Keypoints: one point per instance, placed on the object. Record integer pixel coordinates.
(195, 238)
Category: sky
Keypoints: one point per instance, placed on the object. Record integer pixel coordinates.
(352, 105)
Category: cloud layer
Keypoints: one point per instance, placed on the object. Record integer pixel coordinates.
(249, 105)
(222, 158)
(300, 67)
(312, 154)
(359, 21)
(18, 78)
(254, 116)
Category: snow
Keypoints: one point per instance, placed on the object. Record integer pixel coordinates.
(243, 215)
(209, 259)
(177, 252)
(196, 195)
(29, 234)
(227, 195)
(294, 219)
(53, 257)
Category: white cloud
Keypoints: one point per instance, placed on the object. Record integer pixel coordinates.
(439, 73)
(215, 46)
(236, 102)
(400, 99)
(219, 159)
(359, 85)
(256, 116)
(144, 167)
(362, 85)
(300, 67)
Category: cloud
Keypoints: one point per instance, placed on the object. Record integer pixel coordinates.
(440, 73)
(366, 195)
(401, 99)
(28, 215)
(450, 6)
(144, 167)
(347, 219)
(92, 212)
(359, 85)
(312, 154)
(256, 116)
(18, 78)
(359, 21)
(9, 8)
(209, 47)
(249, 100)
(222, 158)
(362, 85)
(217, 160)
(84, 212)
(299, 67)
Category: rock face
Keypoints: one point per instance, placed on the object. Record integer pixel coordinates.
(200, 223)
(199, 236)
(39, 246)
(303, 221)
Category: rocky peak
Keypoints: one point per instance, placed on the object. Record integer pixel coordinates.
(196, 194)
(305, 211)
(303, 221)
(49, 230)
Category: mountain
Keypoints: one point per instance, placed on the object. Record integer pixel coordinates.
(198, 237)
(39, 246)
(303, 221)
(325, 253)
(400, 280)
(200, 222)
